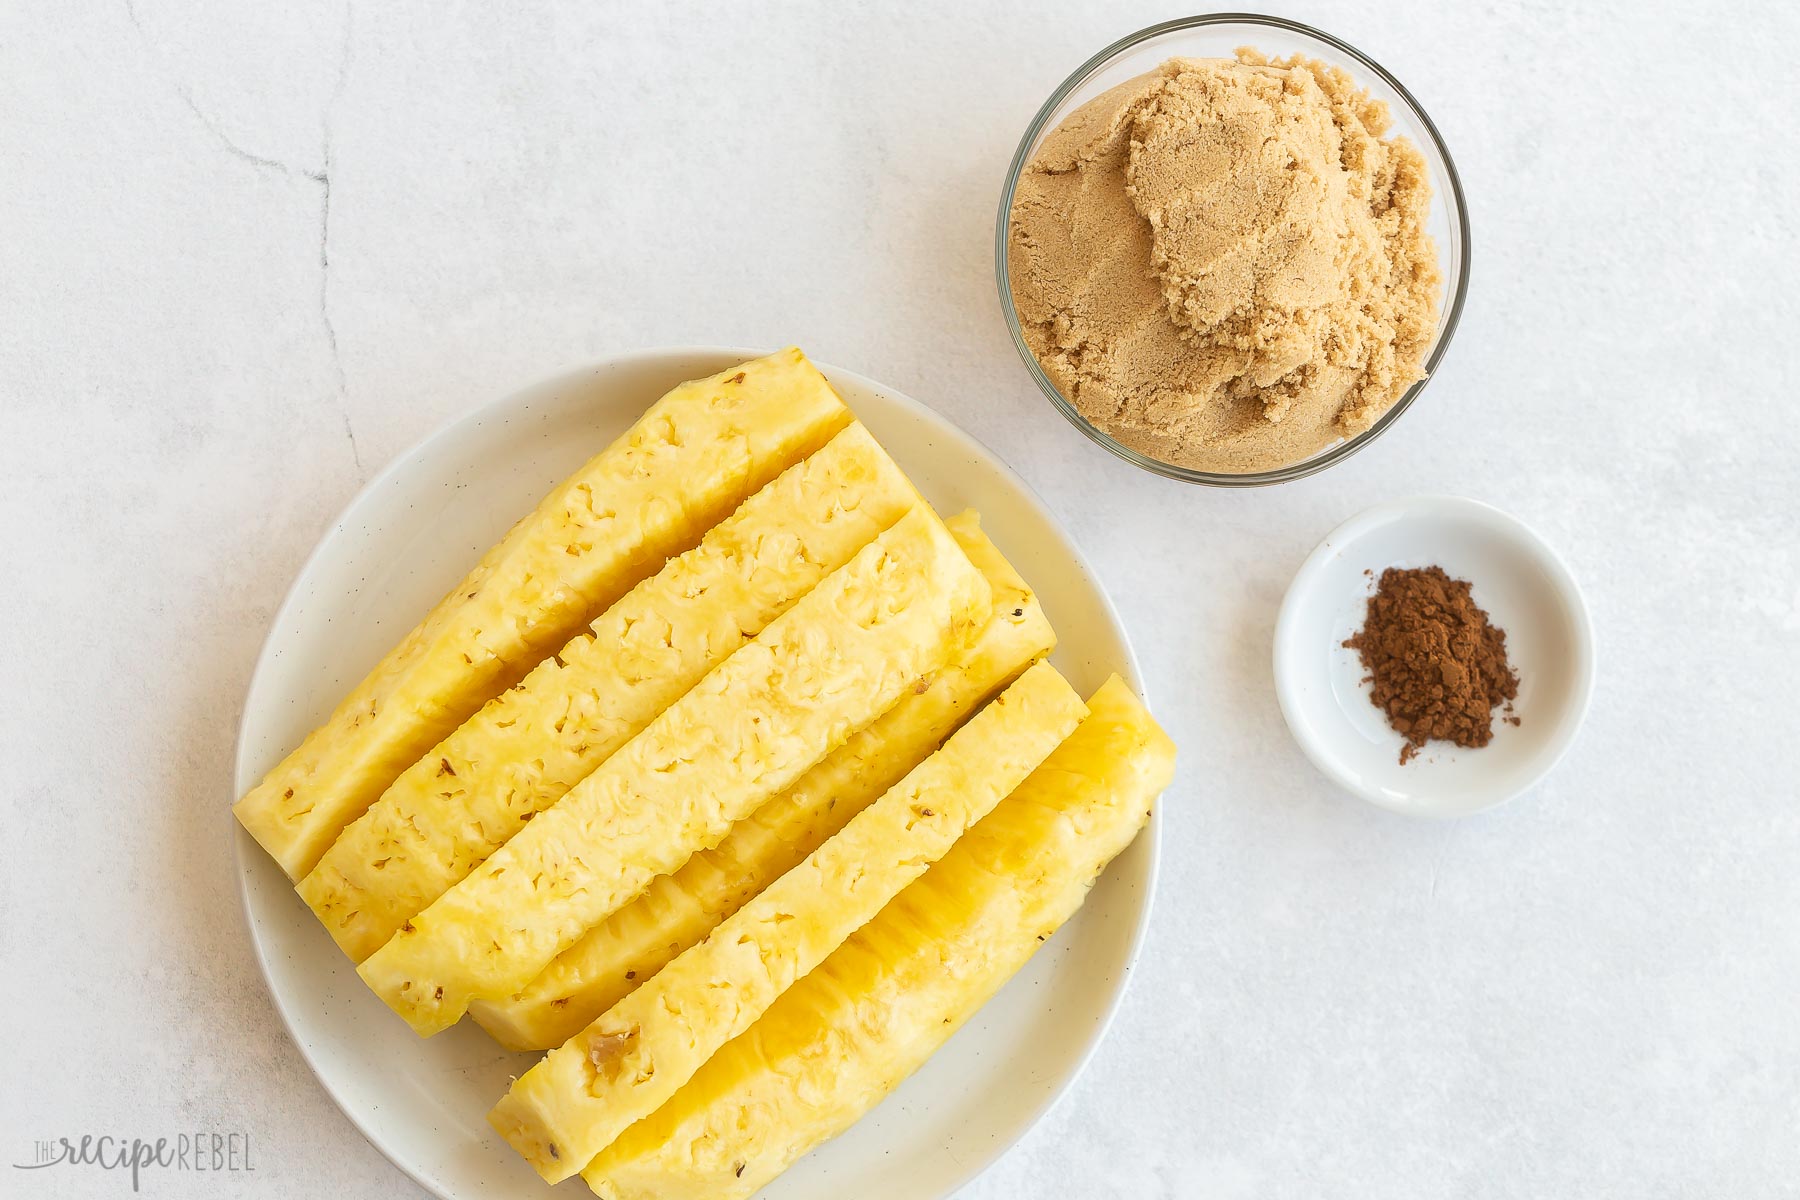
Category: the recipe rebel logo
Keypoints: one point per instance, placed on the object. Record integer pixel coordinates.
(138, 1157)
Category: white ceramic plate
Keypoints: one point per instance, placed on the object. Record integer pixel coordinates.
(401, 544)
(1522, 585)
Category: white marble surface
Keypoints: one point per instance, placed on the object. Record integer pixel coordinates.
(250, 252)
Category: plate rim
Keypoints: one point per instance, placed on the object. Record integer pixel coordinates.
(1131, 671)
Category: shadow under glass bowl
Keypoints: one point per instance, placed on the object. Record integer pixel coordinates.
(1218, 35)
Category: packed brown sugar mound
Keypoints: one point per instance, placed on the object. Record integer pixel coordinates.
(1223, 264)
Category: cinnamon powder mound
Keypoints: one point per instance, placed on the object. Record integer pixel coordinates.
(1438, 665)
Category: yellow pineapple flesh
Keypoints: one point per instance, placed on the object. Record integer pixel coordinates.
(687, 463)
(474, 790)
(633, 1058)
(823, 670)
(843, 1037)
(679, 909)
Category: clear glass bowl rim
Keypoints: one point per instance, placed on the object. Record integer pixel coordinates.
(1325, 458)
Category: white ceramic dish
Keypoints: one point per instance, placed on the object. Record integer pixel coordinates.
(1524, 587)
(400, 545)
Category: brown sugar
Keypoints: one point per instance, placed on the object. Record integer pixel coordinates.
(1223, 263)
(1438, 665)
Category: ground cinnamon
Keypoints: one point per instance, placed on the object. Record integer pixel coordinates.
(1437, 664)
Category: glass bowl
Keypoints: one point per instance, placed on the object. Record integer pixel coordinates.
(1218, 35)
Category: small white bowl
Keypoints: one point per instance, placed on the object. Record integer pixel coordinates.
(1526, 590)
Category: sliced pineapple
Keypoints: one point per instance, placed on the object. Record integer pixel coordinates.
(519, 754)
(823, 670)
(691, 459)
(678, 910)
(633, 1058)
(842, 1038)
